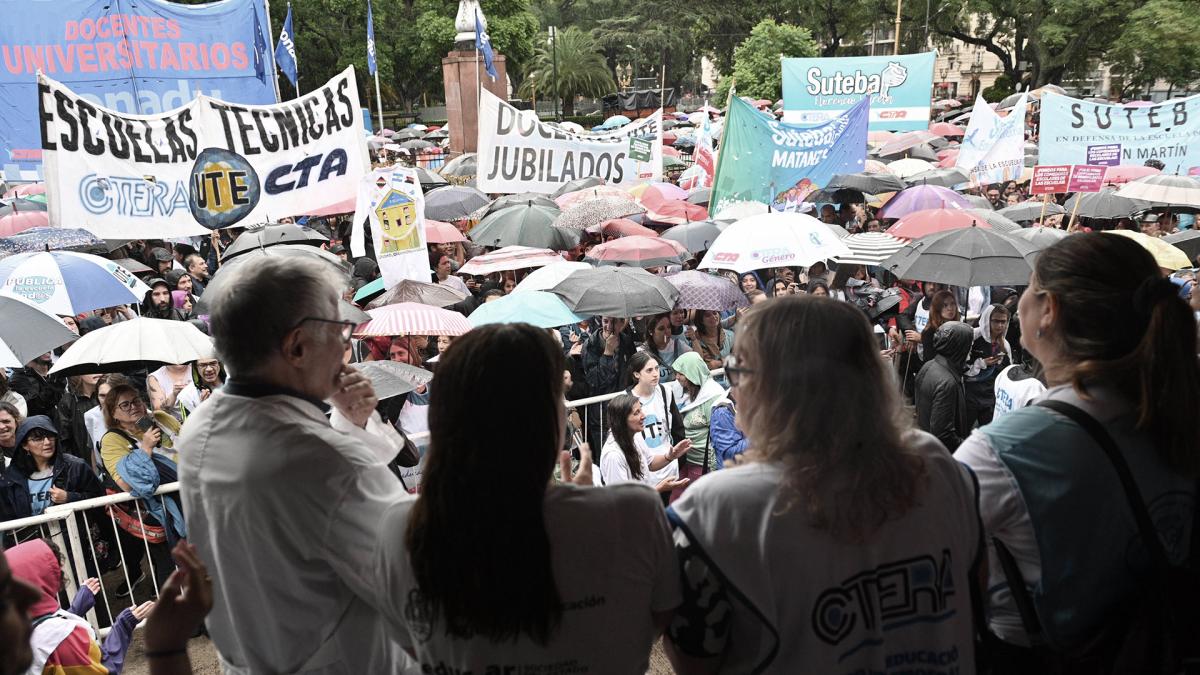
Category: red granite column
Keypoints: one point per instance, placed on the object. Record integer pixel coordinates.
(462, 98)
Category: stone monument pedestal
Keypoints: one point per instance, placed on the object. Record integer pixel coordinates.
(462, 96)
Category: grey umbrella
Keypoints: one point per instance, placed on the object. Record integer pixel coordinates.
(1030, 210)
(947, 178)
(872, 183)
(419, 292)
(978, 201)
(617, 292)
(998, 222)
(349, 312)
(701, 196)
(1105, 204)
(1041, 237)
(966, 256)
(527, 225)
(406, 135)
(577, 184)
(416, 144)
(392, 378)
(429, 180)
(336, 264)
(595, 211)
(533, 198)
(273, 235)
(453, 203)
(436, 135)
(1187, 241)
(27, 332)
(695, 237)
(465, 164)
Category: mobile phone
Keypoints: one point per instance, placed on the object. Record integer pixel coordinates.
(145, 423)
(883, 340)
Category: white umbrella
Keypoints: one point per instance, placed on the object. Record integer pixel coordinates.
(545, 278)
(870, 248)
(773, 240)
(138, 343)
(510, 258)
(66, 282)
(1163, 189)
(910, 166)
(739, 210)
(27, 332)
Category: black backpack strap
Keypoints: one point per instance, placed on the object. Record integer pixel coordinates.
(1149, 534)
(1020, 593)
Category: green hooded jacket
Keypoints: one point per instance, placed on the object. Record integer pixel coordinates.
(697, 412)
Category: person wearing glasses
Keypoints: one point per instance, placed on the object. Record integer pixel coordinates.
(46, 475)
(284, 502)
(207, 376)
(837, 544)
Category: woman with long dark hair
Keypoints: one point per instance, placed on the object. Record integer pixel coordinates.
(1117, 345)
(663, 346)
(662, 425)
(943, 308)
(517, 582)
(624, 457)
(836, 544)
(709, 339)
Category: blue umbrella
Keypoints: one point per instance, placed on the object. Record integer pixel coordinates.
(369, 289)
(48, 239)
(542, 309)
(66, 282)
(615, 121)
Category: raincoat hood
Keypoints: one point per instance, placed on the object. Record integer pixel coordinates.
(692, 366)
(984, 328)
(35, 422)
(953, 340)
(34, 563)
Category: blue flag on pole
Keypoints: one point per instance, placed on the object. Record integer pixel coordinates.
(484, 44)
(285, 51)
(370, 40)
(260, 50)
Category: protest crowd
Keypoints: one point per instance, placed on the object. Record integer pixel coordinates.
(925, 404)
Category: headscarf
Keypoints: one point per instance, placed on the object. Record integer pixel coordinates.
(34, 563)
(692, 366)
(179, 299)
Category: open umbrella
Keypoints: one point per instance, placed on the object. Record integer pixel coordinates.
(436, 135)
(969, 256)
(879, 137)
(931, 221)
(1163, 189)
(1040, 237)
(910, 166)
(946, 130)
(946, 178)
(773, 240)
(539, 308)
(920, 198)
(545, 278)
(66, 282)
(23, 220)
(1030, 210)
(273, 235)
(465, 164)
(410, 318)
(638, 251)
(569, 199)
(595, 211)
(392, 378)
(700, 196)
(650, 194)
(622, 227)
(136, 344)
(700, 290)
(1187, 241)
(672, 163)
(1103, 205)
(906, 141)
(998, 222)
(405, 134)
(871, 183)
(870, 248)
(977, 202)
(437, 232)
(455, 202)
(523, 226)
(577, 184)
(21, 204)
(25, 190)
(676, 212)
(617, 292)
(510, 258)
(419, 292)
(1117, 175)
(27, 332)
(738, 210)
(1165, 255)
(695, 236)
(416, 144)
(48, 239)
(615, 121)
(429, 180)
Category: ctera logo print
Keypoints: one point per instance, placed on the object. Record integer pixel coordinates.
(857, 83)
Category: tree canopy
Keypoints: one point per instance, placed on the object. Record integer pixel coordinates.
(575, 66)
(756, 66)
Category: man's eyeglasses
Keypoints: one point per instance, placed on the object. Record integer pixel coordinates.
(733, 374)
(135, 404)
(347, 329)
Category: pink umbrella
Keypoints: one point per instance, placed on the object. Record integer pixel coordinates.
(1116, 175)
(23, 220)
(907, 141)
(879, 137)
(945, 129)
(669, 138)
(660, 193)
(929, 221)
(875, 166)
(639, 251)
(948, 103)
(410, 318)
(624, 227)
(510, 258)
(437, 232)
(921, 197)
(676, 212)
(668, 151)
(26, 190)
(701, 290)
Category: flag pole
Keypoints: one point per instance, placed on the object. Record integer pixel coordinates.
(271, 39)
(378, 99)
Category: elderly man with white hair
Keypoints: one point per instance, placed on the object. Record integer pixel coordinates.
(283, 503)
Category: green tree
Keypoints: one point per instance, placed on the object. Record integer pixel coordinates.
(1158, 43)
(581, 70)
(756, 67)
(1002, 88)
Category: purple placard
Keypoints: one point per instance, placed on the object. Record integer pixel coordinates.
(1104, 155)
(1086, 178)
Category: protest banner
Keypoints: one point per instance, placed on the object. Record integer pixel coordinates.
(774, 163)
(818, 90)
(142, 58)
(1168, 132)
(1108, 154)
(518, 153)
(1086, 178)
(1049, 179)
(203, 166)
(391, 201)
(700, 173)
(993, 148)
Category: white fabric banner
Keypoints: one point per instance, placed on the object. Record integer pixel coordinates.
(993, 149)
(205, 165)
(392, 202)
(518, 153)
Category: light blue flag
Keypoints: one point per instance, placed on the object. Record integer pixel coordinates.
(370, 40)
(285, 51)
(484, 44)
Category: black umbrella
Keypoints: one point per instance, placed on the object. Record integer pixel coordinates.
(529, 198)
(1105, 204)
(978, 201)
(273, 235)
(695, 237)
(578, 184)
(684, 142)
(455, 202)
(430, 180)
(872, 183)
(1041, 237)
(966, 256)
(1030, 210)
(465, 164)
(1187, 241)
(616, 292)
(527, 225)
